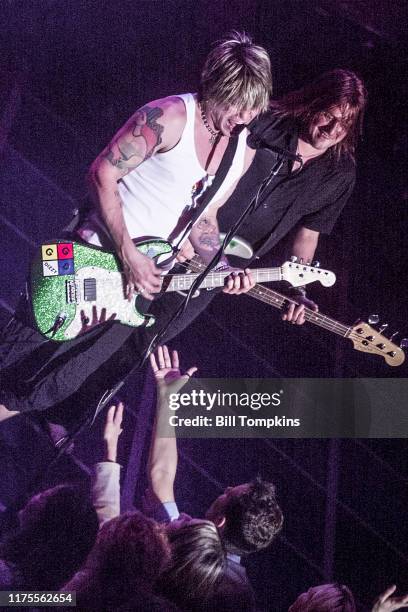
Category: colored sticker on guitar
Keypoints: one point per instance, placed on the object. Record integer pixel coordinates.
(65, 266)
(49, 251)
(65, 250)
(58, 259)
(50, 268)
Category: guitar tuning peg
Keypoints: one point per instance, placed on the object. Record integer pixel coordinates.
(301, 260)
(316, 264)
(393, 336)
(383, 327)
(404, 343)
(373, 319)
(293, 258)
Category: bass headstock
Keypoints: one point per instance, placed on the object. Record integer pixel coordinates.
(368, 340)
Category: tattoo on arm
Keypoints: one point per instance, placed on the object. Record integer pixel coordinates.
(143, 134)
(208, 234)
(205, 239)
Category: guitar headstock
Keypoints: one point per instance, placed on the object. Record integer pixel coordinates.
(369, 340)
(298, 274)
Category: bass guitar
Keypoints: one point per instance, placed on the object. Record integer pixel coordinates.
(364, 337)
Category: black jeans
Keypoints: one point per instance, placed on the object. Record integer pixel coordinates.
(37, 374)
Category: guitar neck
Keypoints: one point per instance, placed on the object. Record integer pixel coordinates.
(277, 300)
(182, 282)
(264, 294)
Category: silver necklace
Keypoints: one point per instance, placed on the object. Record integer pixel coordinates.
(214, 134)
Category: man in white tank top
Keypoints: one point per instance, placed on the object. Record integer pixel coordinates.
(144, 181)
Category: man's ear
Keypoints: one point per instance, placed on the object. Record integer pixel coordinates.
(219, 521)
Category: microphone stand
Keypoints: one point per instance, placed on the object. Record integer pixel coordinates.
(109, 394)
(201, 277)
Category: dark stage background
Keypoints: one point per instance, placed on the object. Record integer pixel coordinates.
(71, 73)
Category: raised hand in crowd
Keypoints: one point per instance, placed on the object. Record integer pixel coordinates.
(386, 603)
(112, 431)
(166, 370)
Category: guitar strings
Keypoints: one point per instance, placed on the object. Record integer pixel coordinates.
(276, 299)
(273, 298)
(270, 297)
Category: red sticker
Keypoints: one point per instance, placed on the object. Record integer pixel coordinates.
(65, 250)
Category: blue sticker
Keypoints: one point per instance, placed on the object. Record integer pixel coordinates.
(66, 266)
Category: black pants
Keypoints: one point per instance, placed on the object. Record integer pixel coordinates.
(37, 374)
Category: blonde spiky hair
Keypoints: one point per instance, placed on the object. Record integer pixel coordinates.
(237, 73)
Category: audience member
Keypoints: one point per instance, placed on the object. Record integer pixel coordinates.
(325, 598)
(130, 552)
(247, 516)
(57, 530)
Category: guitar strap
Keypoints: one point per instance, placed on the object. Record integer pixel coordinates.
(201, 202)
(206, 197)
(78, 215)
(116, 335)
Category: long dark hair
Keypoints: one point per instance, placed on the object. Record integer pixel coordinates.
(337, 88)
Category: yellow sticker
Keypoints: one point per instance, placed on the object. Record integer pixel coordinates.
(49, 251)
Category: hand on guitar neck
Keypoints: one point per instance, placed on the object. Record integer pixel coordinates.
(238, 282)
(295, 313)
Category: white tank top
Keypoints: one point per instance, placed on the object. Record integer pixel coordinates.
(157, 194)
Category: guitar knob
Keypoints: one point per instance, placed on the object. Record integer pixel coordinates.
(404, 343)
(293, 258)
(373, 319)
(383, 327)
(316, 264)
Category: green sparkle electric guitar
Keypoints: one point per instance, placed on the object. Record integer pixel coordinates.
(70, 281)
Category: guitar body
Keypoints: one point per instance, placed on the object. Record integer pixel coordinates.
(69, 280)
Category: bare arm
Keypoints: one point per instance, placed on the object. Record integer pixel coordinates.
(155, 127)
(305, 244)
(162, 465)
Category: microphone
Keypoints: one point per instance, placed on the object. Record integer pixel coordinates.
(256, 142)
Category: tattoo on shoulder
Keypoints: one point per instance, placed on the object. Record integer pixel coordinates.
(127, 152)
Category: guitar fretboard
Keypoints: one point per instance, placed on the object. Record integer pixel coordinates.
(273, 298)
(278, 300)
(182, 282)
